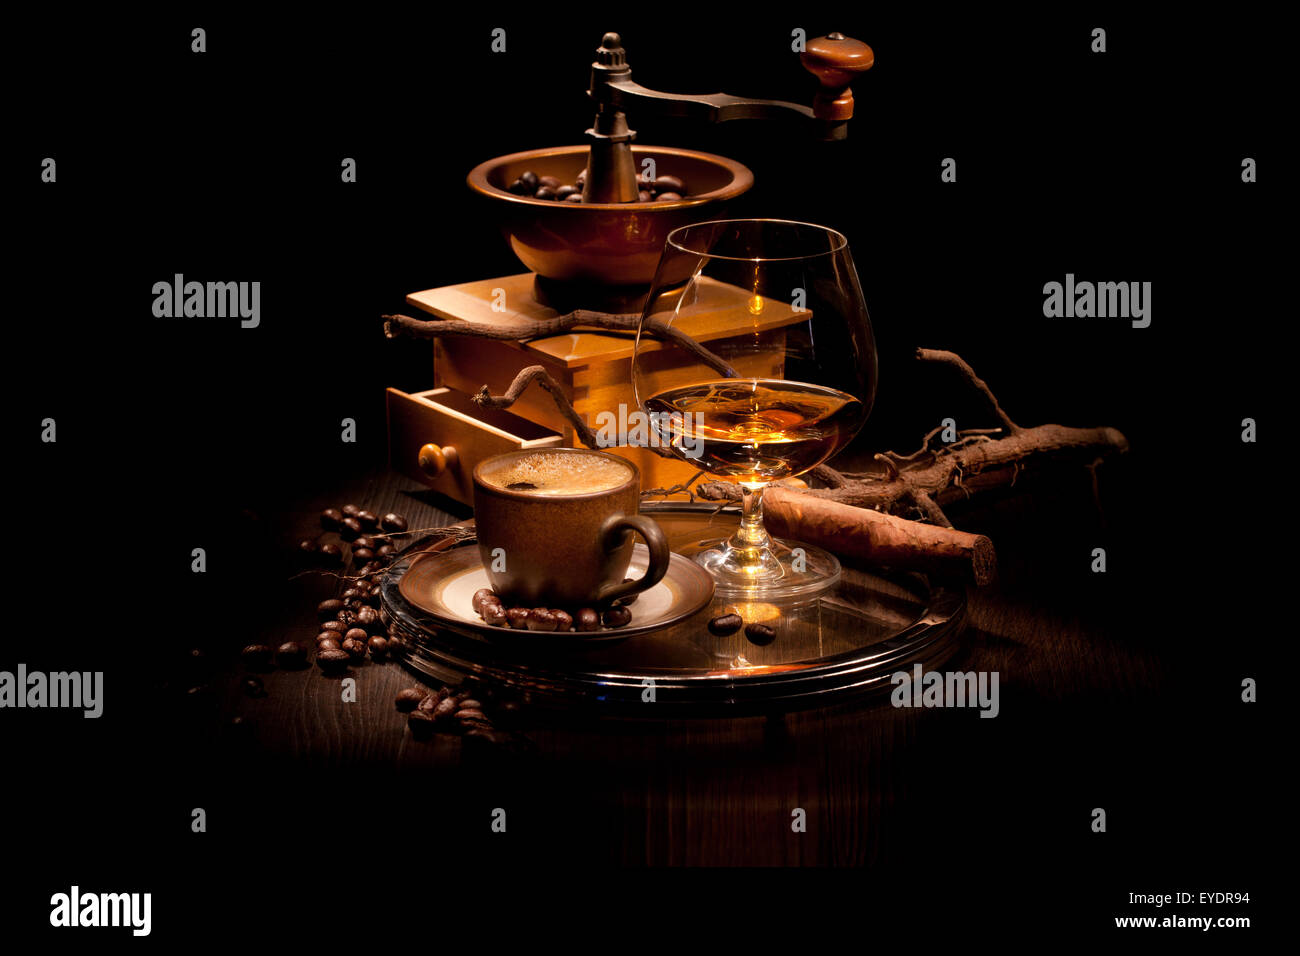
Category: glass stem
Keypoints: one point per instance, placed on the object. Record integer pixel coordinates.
(751, 537)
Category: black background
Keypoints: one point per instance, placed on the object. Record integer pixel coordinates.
(1124, 166)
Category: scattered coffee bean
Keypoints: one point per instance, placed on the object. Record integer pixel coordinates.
(351, 511)
(429, 702)
(517, 617)
(290, 654)
(378, 646)
(421, 724)
(371, 567)
(350, 530)
(330, 553)
(256, 656)
(307, 547)
(725, 624)
(331, 643)
(529, 179)
(331, 519)
(760, 634)
(392, 522)
(469, 703)
(564, 192)
(333, 661)
(348, 617)
(362, 554)
(541, 619)
(495, 615)
(470, 713)
(364, 541)
(357, 634)
(545, 192)
(481, 595)
(349, 594)
(368, 618)
(444, 708)
(563, 620)
(368, 519)
(519, 188)
(385, 552)
(338, 626)
(616, 616)
(254, 687)
(586, 620)
(354, 649)
(409, 698)
(395, 646)
(328, 609)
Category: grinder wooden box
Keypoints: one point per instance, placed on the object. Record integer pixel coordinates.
(594, 369)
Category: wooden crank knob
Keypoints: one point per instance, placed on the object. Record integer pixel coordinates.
(434, 459)
(835, 60)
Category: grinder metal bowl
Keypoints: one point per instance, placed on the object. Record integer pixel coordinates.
(593, 253)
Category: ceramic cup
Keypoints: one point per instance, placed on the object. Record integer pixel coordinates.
(558, 547)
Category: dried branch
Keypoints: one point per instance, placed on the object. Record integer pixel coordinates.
(973, 380)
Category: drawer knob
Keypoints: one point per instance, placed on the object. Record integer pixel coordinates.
(436, 459)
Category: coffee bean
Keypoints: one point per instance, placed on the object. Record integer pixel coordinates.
(429, 702)
(348, 617)
(563, 620)
(350, 530)
(495, 615)
(668, 197)
(256, 656)
(760, 634)
(550, 181)
(564, 192)
(470, 713)
(421, 724)
(368, 618)
(254, 687)
(385, 552)
(351, 511)
(392, 522)
(349, 594)
(331, 643)
(338, 626)
(541, 619)
(545, 192)
(573, 197)
(328, 609)
(409, 698)
(290, 654)
(481, 595)
(529, 179)
(670, 184)
(330, 519)
(725, 624)
(332, 661)
(362, 554)
(519, 188)
(469, 703)
(364, 541)
(370, 567)
(395, 645)
(354, 649)
(369, 520)
(329, 636)
(330, 553)
(307, 548)
(616, 616)
(356, 634)
(444, 708)
(643, 196)
(378, 646)
(587, 620)
(517, 617)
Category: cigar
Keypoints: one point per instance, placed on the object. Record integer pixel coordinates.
(878, 538)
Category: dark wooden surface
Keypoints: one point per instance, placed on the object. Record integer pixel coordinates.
(1074, 668)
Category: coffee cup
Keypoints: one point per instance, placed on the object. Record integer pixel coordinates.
(556, 526)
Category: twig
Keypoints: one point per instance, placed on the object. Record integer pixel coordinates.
(973, 380)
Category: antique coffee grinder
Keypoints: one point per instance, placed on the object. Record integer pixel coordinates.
(598, 254)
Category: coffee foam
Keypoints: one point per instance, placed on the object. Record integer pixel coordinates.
(559, 474)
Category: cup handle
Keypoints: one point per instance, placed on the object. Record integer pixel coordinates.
(654, 540)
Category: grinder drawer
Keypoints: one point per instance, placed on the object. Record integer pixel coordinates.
(438, 436)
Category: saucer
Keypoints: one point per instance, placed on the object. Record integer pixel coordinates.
(442, 585)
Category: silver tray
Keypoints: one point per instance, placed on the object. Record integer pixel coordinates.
(848, 642)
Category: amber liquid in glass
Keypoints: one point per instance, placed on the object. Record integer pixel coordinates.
(755, 430)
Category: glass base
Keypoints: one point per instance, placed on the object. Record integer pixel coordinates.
(775, 571)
